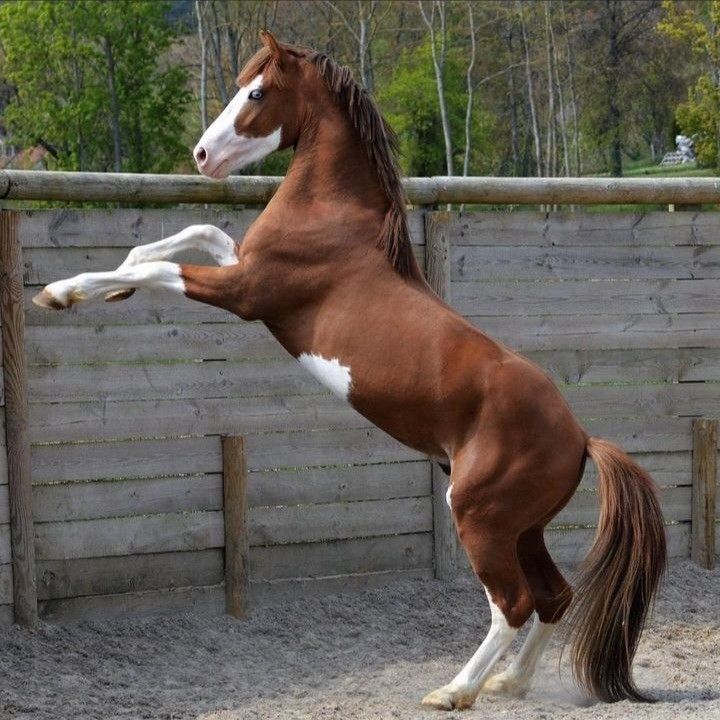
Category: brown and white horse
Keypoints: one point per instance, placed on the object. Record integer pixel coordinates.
(329, 268)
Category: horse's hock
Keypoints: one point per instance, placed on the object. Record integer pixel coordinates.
(137, 504)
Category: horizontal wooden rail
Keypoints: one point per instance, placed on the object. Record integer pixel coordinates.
(138, 189)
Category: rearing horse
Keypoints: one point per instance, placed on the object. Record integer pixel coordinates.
(328, 267)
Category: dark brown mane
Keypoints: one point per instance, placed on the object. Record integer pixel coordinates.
(377, 136)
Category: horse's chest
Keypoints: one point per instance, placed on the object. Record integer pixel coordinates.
(335, 376)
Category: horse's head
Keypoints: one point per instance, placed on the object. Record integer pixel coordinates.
(261, 118)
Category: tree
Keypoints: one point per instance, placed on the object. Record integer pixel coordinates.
(90, 84)
(698, 23)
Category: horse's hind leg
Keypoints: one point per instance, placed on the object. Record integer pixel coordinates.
(552, 596)
(493, 556)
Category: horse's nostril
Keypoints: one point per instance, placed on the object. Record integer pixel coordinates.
(200, 154)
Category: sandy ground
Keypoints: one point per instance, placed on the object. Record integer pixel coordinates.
(358, 657)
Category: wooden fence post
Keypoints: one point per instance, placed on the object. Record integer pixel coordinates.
(237, 579)
(22, 535)
(704, 479)
(437, 271)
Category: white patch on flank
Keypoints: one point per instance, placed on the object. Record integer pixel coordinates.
(224, 149)
(330, 373)
(448, 496)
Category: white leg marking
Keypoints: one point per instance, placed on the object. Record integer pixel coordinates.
(330, 373)
(463, 689)
(448, 496)
(153, 275)
(207, 238)
(517, 679)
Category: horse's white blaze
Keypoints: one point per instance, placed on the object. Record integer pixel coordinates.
(330, 373)
(517, 679)
(206, 238)
(224, 149)
(152, 275)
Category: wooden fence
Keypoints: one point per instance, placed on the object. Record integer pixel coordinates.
(128, 404)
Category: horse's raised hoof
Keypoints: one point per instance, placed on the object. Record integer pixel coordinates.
(46, 299)
(445, 698)
(502, 684)
(119, 295)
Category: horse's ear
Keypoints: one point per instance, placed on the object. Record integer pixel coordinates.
(269, 41)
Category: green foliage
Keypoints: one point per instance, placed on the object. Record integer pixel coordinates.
(409, 101)
(66, 60)
(698, 24)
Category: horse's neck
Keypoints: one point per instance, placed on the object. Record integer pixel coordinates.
(331, 164)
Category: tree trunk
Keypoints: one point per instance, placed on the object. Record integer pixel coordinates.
(561, 102)
(114, 105)
(531, 98)
(550, 137)
(512, 93)
(439, 66)
(203, 67)
(573, 96)
(468, 107)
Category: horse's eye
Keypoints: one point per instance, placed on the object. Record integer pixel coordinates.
(255, 94)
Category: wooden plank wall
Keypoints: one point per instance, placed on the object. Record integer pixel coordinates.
(128, 403)
(129, 400)
(623, 311)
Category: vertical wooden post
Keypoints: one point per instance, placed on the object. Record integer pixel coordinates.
(237, 579)
(704, 479)
(437, 252)
(22, 536)
(437, 271)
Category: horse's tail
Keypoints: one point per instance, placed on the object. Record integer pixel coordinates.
(619, 577)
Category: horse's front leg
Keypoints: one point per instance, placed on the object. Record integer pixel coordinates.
(206, 238)
(213, 285)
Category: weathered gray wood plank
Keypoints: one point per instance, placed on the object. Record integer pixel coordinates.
(276, 592)
(208, 600)
(155, 458)
(624, 366)
(140, 458)
(47, 345)
(585, 228)
(559, 263)
(331, 521)
(5, 552)
(606, 332)
(99, 420)
(177, 532)
(340, 557)
(128, 573)
(305, 486)
(585, 297)
(127, 227)
(6, 584)
(56, 383)
(121, 498)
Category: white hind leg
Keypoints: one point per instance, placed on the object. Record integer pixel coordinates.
(517, 679)
(461, 692)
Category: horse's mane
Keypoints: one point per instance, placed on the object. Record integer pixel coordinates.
(378, 137)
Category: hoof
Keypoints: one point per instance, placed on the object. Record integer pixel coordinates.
(46, 299)
(502, 684)
(447, 699)
(119, 295)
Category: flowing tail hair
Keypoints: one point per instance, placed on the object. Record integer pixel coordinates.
(618, 578)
